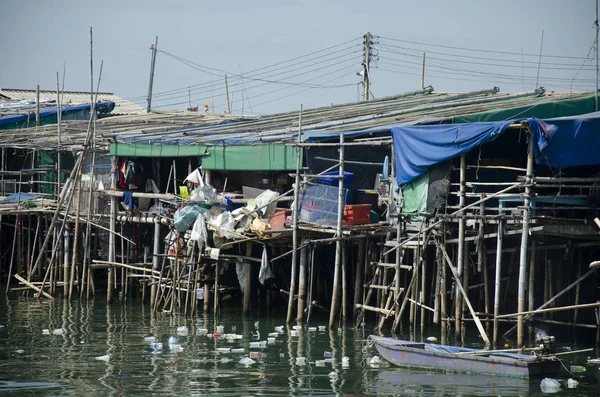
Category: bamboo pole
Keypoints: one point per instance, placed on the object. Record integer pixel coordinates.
(578, 288)
(295, 216)
(155, 253)
(358, 279)
(531, 289)
(248, 281)
(33, 287)
(466, 298)
(216, 291)
(126, 266)
(553, 299)
(461, 250)
(344, 281)
(524, 242)
(338, 244)
(497, 281)
(302, 270)
(551, 310)
(111, 236)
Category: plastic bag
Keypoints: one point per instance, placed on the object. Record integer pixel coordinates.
(199, 232)
(239, 270)
(266, 197)
(185, 217)
(204, 194)
(265, 269)
(224, 225)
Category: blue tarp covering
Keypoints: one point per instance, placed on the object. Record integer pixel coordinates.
(560, 143)
(101, 107)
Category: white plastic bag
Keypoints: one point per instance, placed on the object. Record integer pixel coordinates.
(265, 269)
(224, 225)
(266, 197)
(199, 232)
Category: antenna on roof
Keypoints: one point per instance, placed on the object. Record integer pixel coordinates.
(154, 48)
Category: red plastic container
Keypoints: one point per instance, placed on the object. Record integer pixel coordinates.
(357, 214)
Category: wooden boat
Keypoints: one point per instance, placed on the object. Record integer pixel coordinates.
(460, 359)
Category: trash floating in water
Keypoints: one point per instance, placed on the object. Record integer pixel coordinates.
(550, 385)
(345, 362)
(432, 339)
(293, 333)
(320, 363)
(297, 327)
(220, 329)
(247, 361)
(45, 331)
(258, 345)
(256, 324)
(256, 354)
(279, 329)
(202, 331)
(273, 334)
(577, 369)
(155, 346)
(59, 331)
(270, 341)
(375, 361)
(233, 328)
(183, 330)
(322, 328)
(20, 351)
(300, 360)
(176, 347)
(173, 340)
(312, 329)
(150, 339)
(593, 361)
(224, 350)
(328, 354)
(226, 360)
(572, 383)
(106, 357)
(333, 375)
(238, 350)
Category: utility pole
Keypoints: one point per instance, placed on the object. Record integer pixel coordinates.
(366, 64)
(227, 95)
(423, 72)
(154, 48)
(537, 76)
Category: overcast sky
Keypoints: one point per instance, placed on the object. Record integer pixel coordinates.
(293, 52)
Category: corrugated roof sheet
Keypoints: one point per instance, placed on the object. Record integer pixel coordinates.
(361, 118)
(72, 98)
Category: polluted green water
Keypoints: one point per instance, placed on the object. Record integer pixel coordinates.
(84, 348)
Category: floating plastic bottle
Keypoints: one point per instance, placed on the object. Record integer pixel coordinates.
(328, 354)
(345, 362)
(577, 369)
(173, 340)
(572, 383)
(155, 346)
(375, 361)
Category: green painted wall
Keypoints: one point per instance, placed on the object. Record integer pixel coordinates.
(264, 157)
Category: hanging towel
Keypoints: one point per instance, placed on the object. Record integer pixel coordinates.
(128, 199)
(265, 270)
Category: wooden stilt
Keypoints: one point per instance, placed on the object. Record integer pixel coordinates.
(466, 280)
(358, 278)
(302, 270)
(466, 298)
(578, 288)
(295, 216)
(461, 248)
(248, 280)
(338, 244)
(497, 281)
(216, 291)
(344, 282)
(531, 289)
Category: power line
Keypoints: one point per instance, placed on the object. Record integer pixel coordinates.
(479, 50)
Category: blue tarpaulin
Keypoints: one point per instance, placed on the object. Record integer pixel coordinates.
(559, 143)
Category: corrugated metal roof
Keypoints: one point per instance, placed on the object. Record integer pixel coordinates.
(72, 98)
(318, 123)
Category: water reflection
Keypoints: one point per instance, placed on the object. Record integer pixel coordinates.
(88, 348)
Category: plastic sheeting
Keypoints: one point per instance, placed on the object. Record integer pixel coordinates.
(560, 143)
